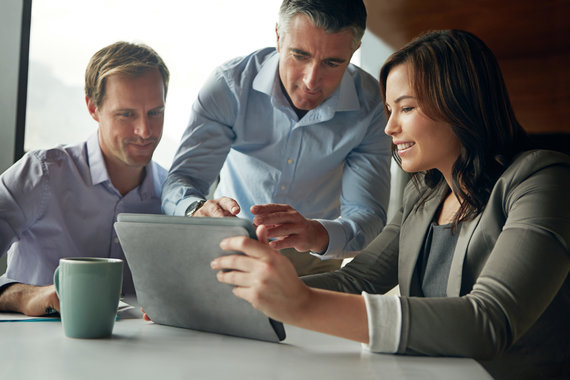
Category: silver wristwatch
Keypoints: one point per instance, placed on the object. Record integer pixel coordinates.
(194, 206)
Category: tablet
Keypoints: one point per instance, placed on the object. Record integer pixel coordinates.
(169, 258)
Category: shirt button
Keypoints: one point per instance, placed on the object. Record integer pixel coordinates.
(289, 161)
(116, 240)
(283, 187)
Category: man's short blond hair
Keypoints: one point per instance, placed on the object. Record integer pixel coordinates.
(121, 58)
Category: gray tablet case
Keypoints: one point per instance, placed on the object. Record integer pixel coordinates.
(169, 258)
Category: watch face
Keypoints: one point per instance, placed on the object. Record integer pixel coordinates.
(194, 206)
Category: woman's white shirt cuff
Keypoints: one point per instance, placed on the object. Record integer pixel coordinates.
(384, 322)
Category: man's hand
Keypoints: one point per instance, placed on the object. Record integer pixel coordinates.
(29, 299)
(219, 207)
(289, 229)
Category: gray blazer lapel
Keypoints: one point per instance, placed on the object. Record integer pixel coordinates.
(456, 269)
(412, 236)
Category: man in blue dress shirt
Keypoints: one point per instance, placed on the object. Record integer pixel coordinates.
(62, 202)
(296, 136)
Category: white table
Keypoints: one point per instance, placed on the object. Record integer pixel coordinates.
(144, 350)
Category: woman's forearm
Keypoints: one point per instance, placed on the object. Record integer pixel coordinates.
(340, 314)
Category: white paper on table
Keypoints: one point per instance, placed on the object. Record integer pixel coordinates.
(18, 317)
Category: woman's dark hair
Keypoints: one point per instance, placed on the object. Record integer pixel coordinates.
(456, 79)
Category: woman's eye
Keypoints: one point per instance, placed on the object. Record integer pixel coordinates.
(407, 109)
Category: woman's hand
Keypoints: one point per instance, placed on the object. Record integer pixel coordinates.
(263, 277)
(269, 282)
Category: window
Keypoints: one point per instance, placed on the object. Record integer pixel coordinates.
(192, 37)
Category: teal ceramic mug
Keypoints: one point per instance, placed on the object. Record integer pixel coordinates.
(89, 289)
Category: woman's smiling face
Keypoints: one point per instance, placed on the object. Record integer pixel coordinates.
(423, 143)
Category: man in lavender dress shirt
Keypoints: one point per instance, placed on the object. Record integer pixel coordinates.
(62, 202)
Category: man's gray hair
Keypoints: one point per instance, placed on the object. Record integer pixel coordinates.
(331, 15)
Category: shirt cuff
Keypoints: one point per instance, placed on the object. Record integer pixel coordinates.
(384, 322)
(337, 240)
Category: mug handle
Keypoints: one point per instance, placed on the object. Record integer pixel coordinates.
(56, 281)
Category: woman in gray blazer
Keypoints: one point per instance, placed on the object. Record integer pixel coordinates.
(480, 248)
